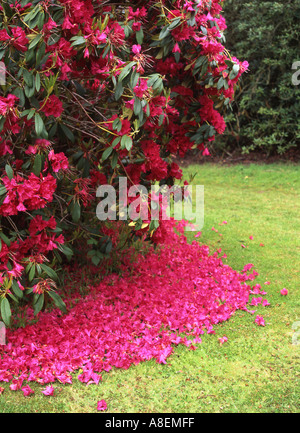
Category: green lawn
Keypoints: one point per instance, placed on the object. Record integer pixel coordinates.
(256, 370)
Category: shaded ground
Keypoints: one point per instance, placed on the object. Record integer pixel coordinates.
(237, 157)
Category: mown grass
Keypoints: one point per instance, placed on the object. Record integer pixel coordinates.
(257, 370)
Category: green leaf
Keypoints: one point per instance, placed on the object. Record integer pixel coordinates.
(28, 78)
(119, 90)
(13, 297)
(76, 212)
(3, 190)
(58, 301)
(164, 32)
(220, 83)
(49, 271)
(19, 94)
(38, 304)
(96, 260)
(5, 239)
(5, 311)
(37, 166)
(137, 107)
(32, 14)
(67, 132)
(66, 251)
(234, 72)
(16, 289)
(116, 141)
(31, 273)
(37, 82)
(114, 160)
(38, 124)
(139, 36)
(175, 23)
(107, 153)
(29, 91)
(9, 171)
(78, 40)
(126, 142)
(35, 41)
(125, 71)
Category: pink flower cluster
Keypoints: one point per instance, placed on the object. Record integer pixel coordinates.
(27, 193)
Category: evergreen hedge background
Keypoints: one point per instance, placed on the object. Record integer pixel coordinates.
(265, 113)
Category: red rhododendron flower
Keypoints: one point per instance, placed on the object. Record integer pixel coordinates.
(19, 39)
(58, 161)
(52, 107)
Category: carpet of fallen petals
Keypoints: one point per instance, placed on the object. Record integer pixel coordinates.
(167, 297)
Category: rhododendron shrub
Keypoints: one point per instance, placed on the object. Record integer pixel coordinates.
(96, 90)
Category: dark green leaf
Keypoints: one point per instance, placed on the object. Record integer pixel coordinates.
(39, 302)
(39, 124)
(76, 212)
(107, 153)
(9, 171)
(58, 301)
(37, 166)
(35, 41)
(49, 271)
(5, 311)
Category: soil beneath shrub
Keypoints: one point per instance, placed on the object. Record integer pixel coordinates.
(237, 157)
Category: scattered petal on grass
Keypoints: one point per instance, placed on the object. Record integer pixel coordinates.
(284, 291)
(16, 384)
(261, 245)
(49, 390)
(101, 405)
(260, 320)
(222, 340)
(251, 237)
(198, 234)
(27, 390)
(222, 223)
(243, 246)
(265, 303)
(1, 390)
(256, 301)
(267, 283)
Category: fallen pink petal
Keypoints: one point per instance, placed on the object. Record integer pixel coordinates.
(49, 390)
(284, 291)
(130, 319)
(222, 340)
(101, 405)
(265, 303)
(259, 320)
(27, 391)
